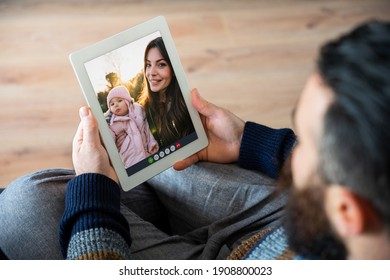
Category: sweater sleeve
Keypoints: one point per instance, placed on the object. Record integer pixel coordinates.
(265, 149)
(92, 226)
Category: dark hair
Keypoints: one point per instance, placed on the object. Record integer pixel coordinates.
(355, 145)
(177, 123)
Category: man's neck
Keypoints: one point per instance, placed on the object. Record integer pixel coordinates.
(371, 246)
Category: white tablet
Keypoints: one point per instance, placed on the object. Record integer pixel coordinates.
(136, 88)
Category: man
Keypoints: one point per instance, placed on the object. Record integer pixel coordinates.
(338, 207)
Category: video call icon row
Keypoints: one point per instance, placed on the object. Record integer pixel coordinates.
(164, 153)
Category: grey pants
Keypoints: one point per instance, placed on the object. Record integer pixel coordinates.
(202, 212)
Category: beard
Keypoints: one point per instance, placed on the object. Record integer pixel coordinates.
(307, 227)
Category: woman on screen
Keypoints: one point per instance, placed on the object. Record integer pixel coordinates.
(165, 109)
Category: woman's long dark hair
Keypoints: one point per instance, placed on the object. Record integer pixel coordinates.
(169, 121)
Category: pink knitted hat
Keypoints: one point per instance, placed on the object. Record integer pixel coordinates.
(119, 91)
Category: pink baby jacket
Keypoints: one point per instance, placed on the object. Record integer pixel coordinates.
(132, 136)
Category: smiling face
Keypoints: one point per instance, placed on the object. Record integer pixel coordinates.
(118, 106)
(157, 70)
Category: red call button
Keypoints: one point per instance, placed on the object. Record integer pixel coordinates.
(178, 145)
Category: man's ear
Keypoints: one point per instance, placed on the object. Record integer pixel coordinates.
(346, 211)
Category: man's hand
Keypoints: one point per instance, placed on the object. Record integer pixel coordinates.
(224, 131)
(89, 154)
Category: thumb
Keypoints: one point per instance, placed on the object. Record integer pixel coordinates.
(201, 105)
(90, 127)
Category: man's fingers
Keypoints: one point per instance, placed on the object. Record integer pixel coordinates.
(90, 131)
(78, 138)
(201, 105)
(185, 163)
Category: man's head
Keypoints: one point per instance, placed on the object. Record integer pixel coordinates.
(340, 204)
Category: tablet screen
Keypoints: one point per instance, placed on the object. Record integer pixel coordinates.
(142, 102)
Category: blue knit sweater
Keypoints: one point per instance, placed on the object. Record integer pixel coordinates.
(93, 227)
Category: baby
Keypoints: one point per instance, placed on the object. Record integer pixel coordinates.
(129, 127)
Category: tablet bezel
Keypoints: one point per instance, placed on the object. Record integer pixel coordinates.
(81, 57)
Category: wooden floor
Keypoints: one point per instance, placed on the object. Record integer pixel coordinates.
(250, 56)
